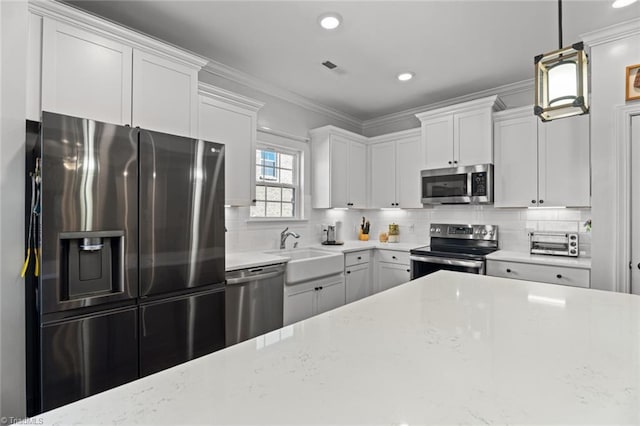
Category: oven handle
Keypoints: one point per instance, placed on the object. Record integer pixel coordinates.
(453, 262)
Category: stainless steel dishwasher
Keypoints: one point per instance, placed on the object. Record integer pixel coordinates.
(254, 302)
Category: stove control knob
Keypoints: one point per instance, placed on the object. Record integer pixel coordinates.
(438, 230)
(484, 232)
(433, 229)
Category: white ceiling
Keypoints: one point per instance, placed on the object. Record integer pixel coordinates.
(454, 47)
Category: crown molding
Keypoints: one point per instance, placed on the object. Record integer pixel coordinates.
(226, 96)
(282, 134)
(235, 75)
(504, 90)
(492, 102)
(612, 33)
(520, 112)
(389, 137)
(334, 130)
(78, 18)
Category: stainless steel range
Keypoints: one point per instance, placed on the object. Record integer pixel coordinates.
(454, 247)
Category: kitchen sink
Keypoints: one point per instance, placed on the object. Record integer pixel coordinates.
(309, 264)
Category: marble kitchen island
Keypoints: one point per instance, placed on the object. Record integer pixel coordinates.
(446, 348)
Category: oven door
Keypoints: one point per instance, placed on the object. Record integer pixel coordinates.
(425, 265)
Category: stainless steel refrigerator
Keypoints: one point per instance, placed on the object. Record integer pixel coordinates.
(132, 256)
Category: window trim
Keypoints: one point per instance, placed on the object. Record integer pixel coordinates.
(297, 185)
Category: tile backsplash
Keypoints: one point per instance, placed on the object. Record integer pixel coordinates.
(514, 225)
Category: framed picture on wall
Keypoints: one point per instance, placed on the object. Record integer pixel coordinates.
(633, 82)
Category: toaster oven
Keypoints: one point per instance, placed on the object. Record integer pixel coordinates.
(554, 243)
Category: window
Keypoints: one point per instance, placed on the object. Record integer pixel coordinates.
(277, 183)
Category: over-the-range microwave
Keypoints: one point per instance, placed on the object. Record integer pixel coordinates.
(458, 185)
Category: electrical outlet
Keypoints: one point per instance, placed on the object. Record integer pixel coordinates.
(412, 228)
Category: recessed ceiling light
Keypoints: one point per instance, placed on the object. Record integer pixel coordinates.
(330, 21)
(622, 3)
(405, 76)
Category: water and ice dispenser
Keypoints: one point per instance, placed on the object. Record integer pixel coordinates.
(92, 264)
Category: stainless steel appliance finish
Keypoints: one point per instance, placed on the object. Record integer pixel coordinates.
(254, 302)
(455, 247)
(89, 185)
(458, 185)
(554, 243)
(181, 213)
(132, 237)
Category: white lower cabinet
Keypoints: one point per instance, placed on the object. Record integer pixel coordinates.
(357, 274)
(576, 277)
(302, 301)
(392, 269)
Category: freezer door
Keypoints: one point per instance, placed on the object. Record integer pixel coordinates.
(84, 356)
(89, 214)
(181, 213)
(180, 329)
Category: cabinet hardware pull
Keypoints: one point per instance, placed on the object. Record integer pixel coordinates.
(455, 162)
(450, 162)
(541, 201)
(558, 276)
(359, 257)
(533, 201)
(348, 272)
(508, 270)
(317, 288)
(638, 265)
(393, 257)
(408, 270)
(320, 287)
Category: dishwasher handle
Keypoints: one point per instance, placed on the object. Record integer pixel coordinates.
(250, 275)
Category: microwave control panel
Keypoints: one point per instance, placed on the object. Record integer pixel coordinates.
(479, 184)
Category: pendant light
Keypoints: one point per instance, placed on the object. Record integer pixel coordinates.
(561, 80)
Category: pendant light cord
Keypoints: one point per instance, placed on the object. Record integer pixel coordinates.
(560, 24)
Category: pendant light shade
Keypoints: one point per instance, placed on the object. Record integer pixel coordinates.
(561, 80)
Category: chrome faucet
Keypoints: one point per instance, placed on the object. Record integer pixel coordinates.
(284, 234)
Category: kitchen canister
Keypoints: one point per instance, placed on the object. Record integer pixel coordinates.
(394, 233)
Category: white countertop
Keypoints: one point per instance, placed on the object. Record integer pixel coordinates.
(356, 245)
(251, 259)
(515, 256)
(446, 348)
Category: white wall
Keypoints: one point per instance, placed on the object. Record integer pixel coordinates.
(279, 114)
(13, 36)
(608, 62)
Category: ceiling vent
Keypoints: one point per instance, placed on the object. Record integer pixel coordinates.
(329, 64)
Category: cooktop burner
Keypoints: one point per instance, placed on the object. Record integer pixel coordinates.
(460, 241)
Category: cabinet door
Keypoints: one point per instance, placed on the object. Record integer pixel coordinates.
(437, 142)
(391, 275)
(235, 128)
(383, 175)
(339, 172)
(516, 162)
(357, 174)
(564, 162)
(165, 95)
(357, 282)
(84, 74)
(408, 166)
(472, 135)
(330, 296)
(299, 303)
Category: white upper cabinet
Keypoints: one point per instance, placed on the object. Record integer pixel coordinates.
(231, 119)
(395, 170)
(459, 135)
(541, 164)
(339, 169)
(564, 162)
(165, 95)
(88, 67)
(516, 159)
(85, 74)
(383, 175)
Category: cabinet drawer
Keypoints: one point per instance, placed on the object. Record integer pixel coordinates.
(392, 256)
(543, 273)
(356, 257)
